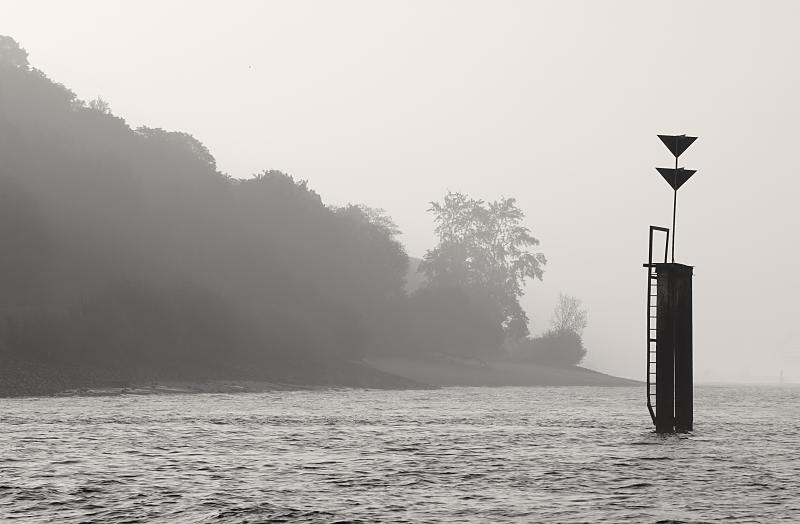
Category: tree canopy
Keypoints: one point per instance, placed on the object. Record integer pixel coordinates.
(11, 54)
(485, 245)
(127, 250)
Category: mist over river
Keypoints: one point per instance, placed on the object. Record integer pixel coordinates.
(574, 454)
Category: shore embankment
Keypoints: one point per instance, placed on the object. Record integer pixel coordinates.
(448, 371)
(21, 379)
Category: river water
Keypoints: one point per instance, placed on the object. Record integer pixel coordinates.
(450, 455)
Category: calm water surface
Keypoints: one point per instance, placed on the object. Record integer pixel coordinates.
(451, 455)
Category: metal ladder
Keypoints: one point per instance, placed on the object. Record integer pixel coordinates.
(652, 319)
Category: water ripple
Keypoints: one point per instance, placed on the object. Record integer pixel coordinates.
(452, 455)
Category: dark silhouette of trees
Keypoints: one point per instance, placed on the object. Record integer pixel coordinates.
(128, 250)
(454, 321)
(11, 54)
(557, 348)
(126, 253)
(484, 245)
(99, 105)
(562, 344)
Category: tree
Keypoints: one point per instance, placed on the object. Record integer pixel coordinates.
(172, 141)
(100, 105)
(562, 344)
(569, 315)
(556, 348)
(485, 245)
(452, 321)
(12, 54)
(384, 259)
(375, 216)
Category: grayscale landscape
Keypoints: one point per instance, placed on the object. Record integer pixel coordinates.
(356, 261)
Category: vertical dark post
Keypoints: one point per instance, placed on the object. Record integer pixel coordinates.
(683, 348)
(665, 352)
(674, 348)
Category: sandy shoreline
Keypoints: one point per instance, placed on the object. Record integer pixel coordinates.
(394, 373)
(448, 371)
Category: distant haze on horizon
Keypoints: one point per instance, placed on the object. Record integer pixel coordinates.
(555, 103)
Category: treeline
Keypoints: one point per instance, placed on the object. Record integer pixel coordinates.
(128, 250)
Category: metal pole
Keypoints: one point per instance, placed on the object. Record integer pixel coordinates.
(674, 208)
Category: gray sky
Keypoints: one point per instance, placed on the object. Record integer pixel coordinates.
(555, 103)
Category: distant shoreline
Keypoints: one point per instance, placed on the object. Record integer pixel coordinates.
(396, 373)
(26, 379)
(184, 387)
(449, 371)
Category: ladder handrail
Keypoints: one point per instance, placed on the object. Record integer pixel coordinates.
(651, 272)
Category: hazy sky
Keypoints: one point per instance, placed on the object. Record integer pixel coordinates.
(557, 103)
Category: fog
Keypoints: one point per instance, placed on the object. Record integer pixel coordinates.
(556, 104)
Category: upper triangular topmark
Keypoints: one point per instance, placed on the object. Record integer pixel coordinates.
(677, 144)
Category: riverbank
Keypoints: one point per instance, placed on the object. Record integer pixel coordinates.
(19, 378)
(447, 371)
(177, 387)
(22, 379)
